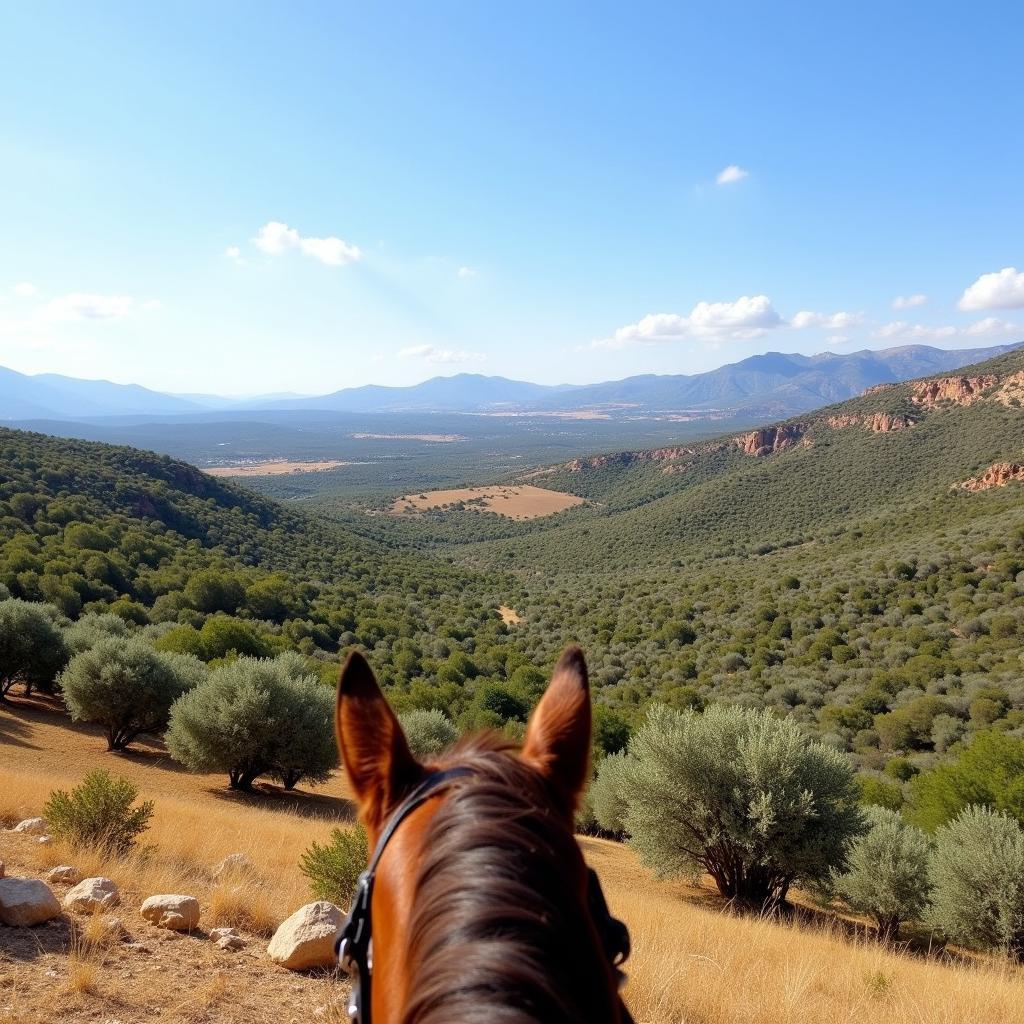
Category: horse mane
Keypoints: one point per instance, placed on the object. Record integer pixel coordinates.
(500, 932)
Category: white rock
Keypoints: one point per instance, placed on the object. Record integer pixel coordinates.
(44, 840)
(178, 913)
(92, 894)
(65, 874)
(232, 864)
(307, 938)
(30, 825)
(227, 938)
(26, 901)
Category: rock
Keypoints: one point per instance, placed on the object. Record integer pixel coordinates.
(30, 825)
(954, 390)
(177, 913)
(307, 938)
(770, 440)
(227, 938)
(26, 901)
(92, 894)
(44, 840)
(233, 864)
(114, 927)
(137, 947)
(63, 874)
(999, 474)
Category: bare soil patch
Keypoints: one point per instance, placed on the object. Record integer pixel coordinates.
(278, 467)
(509, 615)
(523, 501)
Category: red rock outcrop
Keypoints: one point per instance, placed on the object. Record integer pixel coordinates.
(1012, 389)
(770, 440)
(997, 475)
(885, 422)
(875, 388)
(958, 390)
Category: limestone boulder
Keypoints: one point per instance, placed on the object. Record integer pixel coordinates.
(92, 894)
(36, 825)
(26, 901)
(177, 913)
(233, 864)
(63, 874)
(307, 938)
(227, 938)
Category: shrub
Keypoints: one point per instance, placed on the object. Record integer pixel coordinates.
(990, 772)
(428, 732)
(251, 718)
(878, 793)
(978, 874)
(608, 793)
(32, 649)
(91, 628)
(334, 868)
(886, 874)
(125, 686)
(98, 813)
(742, 795)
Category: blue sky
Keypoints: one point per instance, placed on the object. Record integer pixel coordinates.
(251, 198)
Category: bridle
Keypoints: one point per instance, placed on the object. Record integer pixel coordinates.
(354, 945)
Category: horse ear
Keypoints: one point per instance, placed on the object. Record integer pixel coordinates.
(380, 766)
(558, 737)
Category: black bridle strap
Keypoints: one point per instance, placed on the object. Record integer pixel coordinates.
(353, 943)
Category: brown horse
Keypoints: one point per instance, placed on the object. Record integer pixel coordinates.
(480, 901)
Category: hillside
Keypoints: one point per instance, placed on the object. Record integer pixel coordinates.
(689, 961)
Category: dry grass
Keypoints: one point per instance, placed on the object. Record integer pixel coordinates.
(691, 964)
(520, 502)
(274, 467)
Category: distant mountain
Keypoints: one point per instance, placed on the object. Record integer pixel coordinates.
(465, 392)
(773, 384)
(55, 396)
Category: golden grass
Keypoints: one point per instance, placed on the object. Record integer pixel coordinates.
(522, 501)
(691, 964)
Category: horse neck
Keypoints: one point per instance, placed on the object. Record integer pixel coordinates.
(499, 930)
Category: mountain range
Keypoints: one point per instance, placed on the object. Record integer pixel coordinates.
(771, 384)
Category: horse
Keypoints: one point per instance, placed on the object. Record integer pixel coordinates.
(482, 908)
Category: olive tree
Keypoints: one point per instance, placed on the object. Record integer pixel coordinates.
(608, 792)
(32, 649)
(428, 732)
(91, 628)
(887, 871)
(125, 686)
(254, 717)
(742, 795)
(978, 874)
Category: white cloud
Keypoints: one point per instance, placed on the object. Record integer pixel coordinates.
(993, 327)
(840, 321)
(233, 252)
(25, 289)
(909, 301)
(433, 354)
(1001, 290)
(465, 272)
(84, 306)
(730, 175)
(748, 317)
(900, 330)
(275, 238)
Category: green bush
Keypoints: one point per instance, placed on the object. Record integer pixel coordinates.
(91, 628)
(742, 795)
(32, 649)
(98, 813)
(989, 772)
(334, 868)
(254, 717)
(608, 793)
(978, 874)
(123, 685)
(886, 872)
(428, 732)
